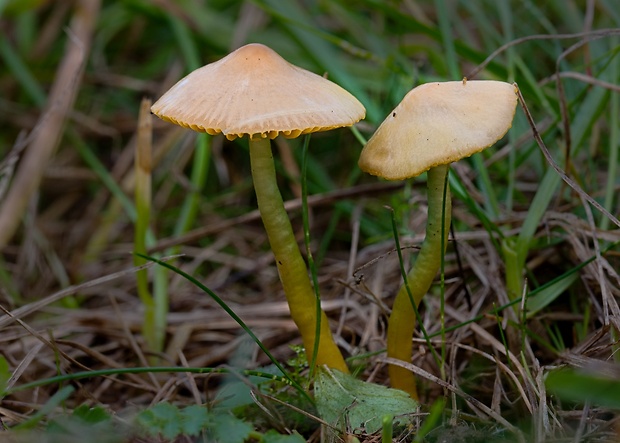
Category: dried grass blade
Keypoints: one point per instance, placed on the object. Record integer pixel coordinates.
(49, 128)
(35, 306)
(569, 181)
(21, 367)
(478, 404)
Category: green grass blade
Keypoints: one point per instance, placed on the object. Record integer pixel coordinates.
(516, 251)
(186, 44)
(458, 191)
(531, 295)
(447, 40)
(298, 23)
(506, 15)
(230, 312)
(486, 186)
(547, 294)
(432, 420)
(313, 271)
(55, 401)
(59, 379)
(614, 142)
(106, 178)
(191, 203)
(405, 278)
(538, 207)
(21, 72)
(198, 179)
(583, 386)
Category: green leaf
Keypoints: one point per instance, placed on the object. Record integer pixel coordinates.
(91, 415)
(163, 420)
(226, 428)
(194, 419)
(581, 386)
(5, 374)
(357, 406)
(95, 422)
(169, 421)
(272, 436)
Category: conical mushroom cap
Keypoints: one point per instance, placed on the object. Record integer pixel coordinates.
(254, 91)
(439, 123)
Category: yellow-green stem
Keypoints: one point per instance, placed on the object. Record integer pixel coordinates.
(291, 265)
(401, 323)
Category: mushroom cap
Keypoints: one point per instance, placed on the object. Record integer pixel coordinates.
(254, 91)
(438, 123)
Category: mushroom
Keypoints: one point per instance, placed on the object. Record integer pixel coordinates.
(434, 125)
(255, 92)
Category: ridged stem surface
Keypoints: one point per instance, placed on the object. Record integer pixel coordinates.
(291, 265)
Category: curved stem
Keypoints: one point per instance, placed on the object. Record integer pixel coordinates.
(291, 266)
(401, 323)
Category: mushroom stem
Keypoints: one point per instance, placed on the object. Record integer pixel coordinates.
(291, 266)
(401, 323)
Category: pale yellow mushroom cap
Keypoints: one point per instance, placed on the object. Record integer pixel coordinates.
(256, 92)
(439, 123)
